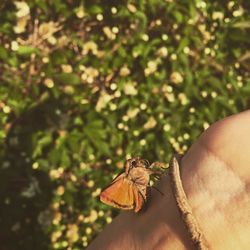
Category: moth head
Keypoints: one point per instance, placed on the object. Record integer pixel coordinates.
(136, 162)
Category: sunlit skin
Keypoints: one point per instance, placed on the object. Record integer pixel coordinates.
(216, 178)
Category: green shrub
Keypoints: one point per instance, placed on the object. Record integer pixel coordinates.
(85, 84)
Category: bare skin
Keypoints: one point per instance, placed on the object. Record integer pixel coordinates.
(215, 174)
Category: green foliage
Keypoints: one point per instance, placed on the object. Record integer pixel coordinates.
(85, 84)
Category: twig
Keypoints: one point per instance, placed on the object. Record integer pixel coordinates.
(33, 55)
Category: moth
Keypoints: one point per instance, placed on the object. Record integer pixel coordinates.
(130, 189)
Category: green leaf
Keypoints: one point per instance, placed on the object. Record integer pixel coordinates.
(68, 78)
(184, 42)
(242, 25)
(3, 53)
(178, 16)
(26, 50)
(95, 9)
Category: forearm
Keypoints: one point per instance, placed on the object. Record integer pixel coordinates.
(218, 196)
(158, 227)
(215, 175)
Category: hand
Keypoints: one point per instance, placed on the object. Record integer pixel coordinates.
(215, 174)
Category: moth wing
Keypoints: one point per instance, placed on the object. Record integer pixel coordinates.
(139, 200)
(119, 176)
(119, 193)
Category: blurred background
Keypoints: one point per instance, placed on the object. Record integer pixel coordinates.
(86, 84)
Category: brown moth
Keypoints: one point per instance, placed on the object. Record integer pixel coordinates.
(129, 190)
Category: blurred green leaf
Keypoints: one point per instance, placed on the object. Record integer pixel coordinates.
(26, 50)
(68, 78)
(241, 25)
(95, 9)
(3, 53)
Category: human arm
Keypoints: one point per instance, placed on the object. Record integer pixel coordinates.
(215, 174)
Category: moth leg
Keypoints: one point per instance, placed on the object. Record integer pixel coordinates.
(159, 164)
(158, 190)
(156, 177)
(157, 172)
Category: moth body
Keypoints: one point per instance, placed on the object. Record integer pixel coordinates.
(130, 188)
